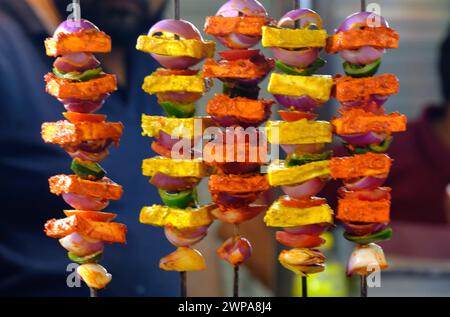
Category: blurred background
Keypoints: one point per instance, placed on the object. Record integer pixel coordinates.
(419, 254)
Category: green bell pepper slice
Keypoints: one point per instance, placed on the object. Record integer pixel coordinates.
(76, 76)
(178, 110)
(382, 235)
(301, 159)
(91, 258)
(87, 170)
(181, 200)
(358, 71)
(300, 71)
(383, 147)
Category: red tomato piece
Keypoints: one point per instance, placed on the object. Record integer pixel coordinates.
(77, 117)
(233, 55)
(296, 115)
(302, 203)
(298, 240)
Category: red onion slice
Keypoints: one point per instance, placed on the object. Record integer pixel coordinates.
(86, 156)
(365, 183)
(235, 8)
(90, 146)
(363, 55)
(168, 141)
(373, 104)
(84, 106)
(302, 103)
(81, 202)
(314, 229)
(364, 139)
(234, 201)
(76, 62)
(173, 184)
(176, 62)
(361, 19)
(306, 189)
(184, 29)
(238, 41)
(305, 17)
(363, 229)
(298, 58)
(69, 26)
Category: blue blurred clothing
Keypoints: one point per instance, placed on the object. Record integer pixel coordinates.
(31, 264)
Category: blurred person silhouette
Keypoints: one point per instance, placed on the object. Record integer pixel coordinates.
(31, 263)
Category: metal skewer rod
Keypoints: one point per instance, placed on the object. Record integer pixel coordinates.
(236, 281)
(363, 5)
(363, 286)
(93, 292)
(176, 6)
(296, 4)
(176, 13)
(304, 286)
(236, 270)
(183, 284)
(77, 10)
(183, 277)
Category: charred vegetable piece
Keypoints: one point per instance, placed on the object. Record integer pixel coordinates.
(233, 90)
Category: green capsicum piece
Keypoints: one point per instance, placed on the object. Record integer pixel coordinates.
(178, 110)
(318, 63)
(358, 71)
(383, 147)
(91, 258)
(376, 148)
(76, 76)
(87, 170)
(301, 159)
(382, 235)
(181, 200)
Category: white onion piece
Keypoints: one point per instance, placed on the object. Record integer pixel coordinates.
(79, 245)
(366, 259)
